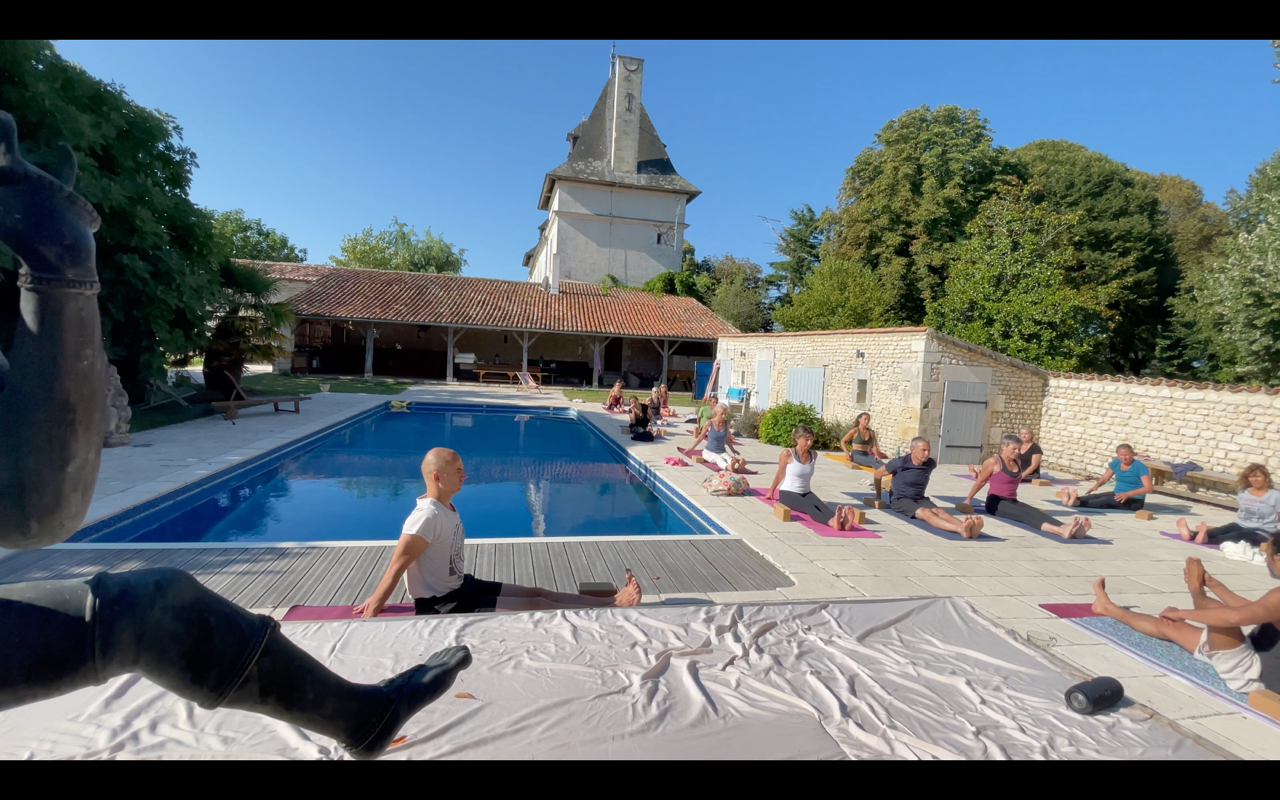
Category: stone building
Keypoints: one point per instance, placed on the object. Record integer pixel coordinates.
(616, 206)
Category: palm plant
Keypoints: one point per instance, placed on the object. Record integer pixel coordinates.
(246, 326)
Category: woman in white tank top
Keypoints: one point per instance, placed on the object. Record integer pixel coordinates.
(795, 474)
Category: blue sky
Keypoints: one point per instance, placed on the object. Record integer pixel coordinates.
(320, 139)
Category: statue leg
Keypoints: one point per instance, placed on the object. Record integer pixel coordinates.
(59, 636)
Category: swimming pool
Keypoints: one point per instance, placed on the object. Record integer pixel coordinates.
(531, 472)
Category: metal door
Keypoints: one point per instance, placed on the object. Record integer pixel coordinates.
(805, 385)
(760, 394)
(964, 410)
(701, 375)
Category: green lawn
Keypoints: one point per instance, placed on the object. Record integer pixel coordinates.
(144, 419)
(272, 384)
(683, 399)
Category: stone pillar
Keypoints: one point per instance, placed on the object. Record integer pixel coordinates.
(370, 334)
(116, 426)
(597, 357)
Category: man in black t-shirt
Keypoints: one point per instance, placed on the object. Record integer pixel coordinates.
(910, 481)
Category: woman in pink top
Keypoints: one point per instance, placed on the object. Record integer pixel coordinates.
(1004, 472)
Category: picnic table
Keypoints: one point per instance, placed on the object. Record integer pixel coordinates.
(510, 373)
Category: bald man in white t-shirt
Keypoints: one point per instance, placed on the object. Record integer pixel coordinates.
(429, 556)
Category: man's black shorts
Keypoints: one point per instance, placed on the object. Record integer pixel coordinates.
(472, 596)
(908, 507)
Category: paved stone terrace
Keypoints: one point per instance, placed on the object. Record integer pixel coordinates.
(1006, 580)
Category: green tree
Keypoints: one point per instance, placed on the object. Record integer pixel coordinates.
(1008, 289)
(248, 238)
(245, 327)
(1123, 245)
(800, 245)
(400, 248)
(739, 292)
(906, 199)
(1275, 45)
(1233, 308)
(158, 256)
(841, 294)
(1199, 230)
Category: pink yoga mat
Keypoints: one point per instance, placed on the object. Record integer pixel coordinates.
(1069, 610)
(858, 532)
(1178, 537)
(709, 465)
(327, 613)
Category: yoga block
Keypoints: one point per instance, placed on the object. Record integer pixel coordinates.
(1041, 482)
(873, 502)
(597, 589)
(1144, 514)
(1267, 702)
(859, 516)
(964, 508)
(782, 512)
(626, 429)
(697, 459)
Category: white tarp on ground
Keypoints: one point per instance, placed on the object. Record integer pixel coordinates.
(878, 679)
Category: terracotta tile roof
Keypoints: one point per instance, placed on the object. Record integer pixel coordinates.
(370, 294)
(1171, 382)
(303, 273)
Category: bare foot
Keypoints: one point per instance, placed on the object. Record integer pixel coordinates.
(978, 523)
(1194, 575)
(1073, 498)
(1073, 530)
(629, 595)
(968, 530)
(1202, 533)
(1101, 603)
(1183, 530)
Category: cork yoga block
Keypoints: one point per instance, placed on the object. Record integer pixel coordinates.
(1267, 702)
(874, 503)
(782, 512)
(1144, 514)
(697, 459)
(597, 589)
(859, 516)
(964, 508)
(1041, 482)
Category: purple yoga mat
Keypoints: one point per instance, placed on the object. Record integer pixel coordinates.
(858, 532)
(1069, 610)
(1178, 537)
(708, 464)
(328, 613)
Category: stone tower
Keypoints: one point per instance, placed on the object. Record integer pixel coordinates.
(617, 205)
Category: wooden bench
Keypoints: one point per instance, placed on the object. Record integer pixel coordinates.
(1162, 473)
(233, 405)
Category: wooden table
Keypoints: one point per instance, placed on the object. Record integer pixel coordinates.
(510, 371)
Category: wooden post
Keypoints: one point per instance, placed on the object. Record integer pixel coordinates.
(450, 339)
(597, 347)
(525, 339)
(370, 334)
(666, 348)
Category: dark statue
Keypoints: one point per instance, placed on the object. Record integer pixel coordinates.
(60, 636)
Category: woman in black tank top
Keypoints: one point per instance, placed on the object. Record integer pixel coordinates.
(860, 445)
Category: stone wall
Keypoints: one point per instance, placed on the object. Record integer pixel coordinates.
(889, 359)
(1015, 390)
(1220, 428)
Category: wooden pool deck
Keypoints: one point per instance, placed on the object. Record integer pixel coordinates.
(267, 578)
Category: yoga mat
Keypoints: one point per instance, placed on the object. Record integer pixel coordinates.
(1158, 654)
(709, 465)
(983, 536)
(327, 613)
(858, 532)
(1178, 538)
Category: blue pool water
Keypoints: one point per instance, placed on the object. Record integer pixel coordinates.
(535, 474)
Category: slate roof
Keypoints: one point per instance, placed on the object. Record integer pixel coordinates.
(411, 297)
(589, 158)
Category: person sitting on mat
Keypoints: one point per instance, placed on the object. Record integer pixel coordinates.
(641, 425)
(665, 396)
(429, 556)
(719, 439)
(614, 402)
(1221, 642)
(1003, 473)
(910, 481)
(1029, 455)
(1258, 515)
(795, 471)
(1133, 480)
(655, 407)
(860, 445)
(704, 411)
